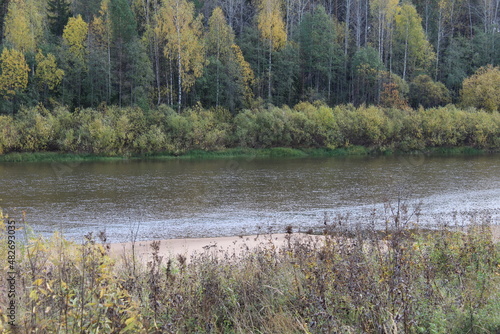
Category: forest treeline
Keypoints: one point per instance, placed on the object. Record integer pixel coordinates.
(236, 53)
(122, 131)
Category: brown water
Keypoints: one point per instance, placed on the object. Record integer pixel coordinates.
(196, 198)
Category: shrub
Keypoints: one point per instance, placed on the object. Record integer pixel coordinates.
(428, 93)
(37, 128)
(481, 90)
(8, 134)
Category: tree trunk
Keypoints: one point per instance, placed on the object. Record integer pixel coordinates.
(269, 70)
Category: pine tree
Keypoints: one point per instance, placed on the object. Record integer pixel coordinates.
(58, 15)
(124, 34)
(320, 54)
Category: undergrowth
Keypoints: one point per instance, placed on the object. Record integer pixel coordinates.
(351, 279)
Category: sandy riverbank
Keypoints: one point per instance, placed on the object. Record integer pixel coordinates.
(222, 246)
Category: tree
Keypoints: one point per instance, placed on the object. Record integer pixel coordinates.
(394, 91)
(181, 31)
(124, 35)
(367, 68)
(243, 75)
(88, 9)
(47, 73)
(320, 53)
(58, 15)
(14, 75)
(272, 31)
(383, 12)
(219, 41)
(18, 30)
(74, 36)
(226, 67)
(74, 41)
(481, 90)
(428, 93)
(4, 4)
(410, 42)
(286, 74)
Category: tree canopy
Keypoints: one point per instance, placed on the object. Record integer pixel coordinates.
(232, 53)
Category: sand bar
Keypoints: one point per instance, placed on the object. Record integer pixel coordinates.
(221, 246)
(235, 245)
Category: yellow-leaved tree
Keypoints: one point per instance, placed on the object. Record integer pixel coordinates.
(25, 24)
(75, 41)
(219, 39)
(49, 76)
(244, 75)
(272, 30)
(14, 75)
(180, 30)
(410, 43)
(482, 89)
(74, 35)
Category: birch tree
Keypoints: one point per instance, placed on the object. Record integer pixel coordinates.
(272, 30)
(412, 45)
(181, 32)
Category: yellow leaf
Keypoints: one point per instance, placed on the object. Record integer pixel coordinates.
(38, 282)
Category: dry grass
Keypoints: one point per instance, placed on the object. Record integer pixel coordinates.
(361, 280)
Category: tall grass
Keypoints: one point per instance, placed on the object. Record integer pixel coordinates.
(400, 279)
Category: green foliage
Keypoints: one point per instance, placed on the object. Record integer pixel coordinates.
(58, 15)
(319, 52)
(367, 69)
(127, 131)
(145, 53)
(428, 93)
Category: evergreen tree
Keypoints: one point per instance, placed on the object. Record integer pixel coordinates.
(124, 35)
(320, 54)
(4, 5)
(58, 15)
(367, 68)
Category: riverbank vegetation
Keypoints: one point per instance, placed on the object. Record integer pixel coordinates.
(400, 279)
(114, 131)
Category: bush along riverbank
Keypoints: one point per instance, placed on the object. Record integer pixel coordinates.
(113, 131)
(356, 280)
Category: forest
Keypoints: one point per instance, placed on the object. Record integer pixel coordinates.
(238, 54)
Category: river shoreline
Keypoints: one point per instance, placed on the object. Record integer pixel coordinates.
(220, 247)
(233, 246)
(241, 152)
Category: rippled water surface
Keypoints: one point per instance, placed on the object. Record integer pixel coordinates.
(196, 198)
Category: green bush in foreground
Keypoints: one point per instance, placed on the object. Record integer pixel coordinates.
(398, 280)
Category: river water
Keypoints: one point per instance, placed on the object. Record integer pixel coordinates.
(157, 199)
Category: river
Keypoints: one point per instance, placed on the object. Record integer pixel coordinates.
(161, 199)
